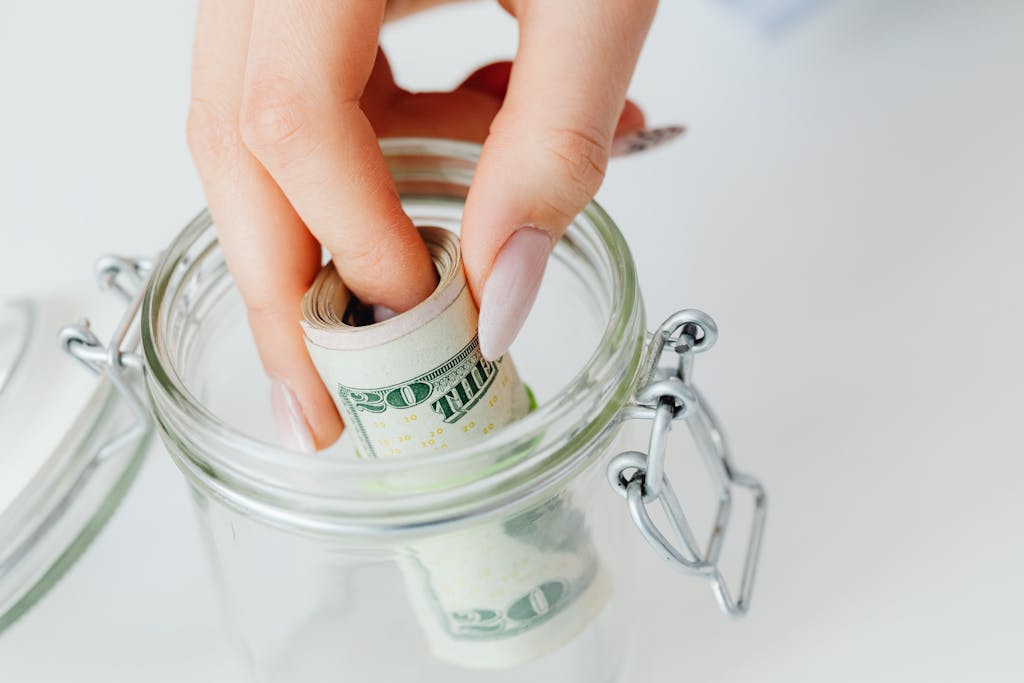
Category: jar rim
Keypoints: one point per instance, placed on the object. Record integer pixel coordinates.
(211, 447)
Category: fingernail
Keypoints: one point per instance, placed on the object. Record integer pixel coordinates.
(511, 288)
(291, 423)
(642, 140)
(382, 313)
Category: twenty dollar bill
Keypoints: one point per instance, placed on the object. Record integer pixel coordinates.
(417, 382)
(489, 596)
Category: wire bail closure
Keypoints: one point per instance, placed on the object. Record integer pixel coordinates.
(117, 359)
(669, 395)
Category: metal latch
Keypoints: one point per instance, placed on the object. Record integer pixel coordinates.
(667, 395)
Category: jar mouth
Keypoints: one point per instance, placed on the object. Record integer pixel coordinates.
(542, 450)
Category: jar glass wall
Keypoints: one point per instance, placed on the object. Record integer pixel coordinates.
(502, 559)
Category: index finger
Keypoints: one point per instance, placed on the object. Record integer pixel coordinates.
(272, 257)
(308, 66)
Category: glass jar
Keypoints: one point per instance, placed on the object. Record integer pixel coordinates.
(503, 559)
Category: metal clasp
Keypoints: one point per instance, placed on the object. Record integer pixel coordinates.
(117, 359)
(668, 394)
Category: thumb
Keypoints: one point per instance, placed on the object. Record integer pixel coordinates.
(522, 199)
(547, 151)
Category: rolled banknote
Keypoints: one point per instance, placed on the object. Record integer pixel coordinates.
(489, 596)
(417, 382)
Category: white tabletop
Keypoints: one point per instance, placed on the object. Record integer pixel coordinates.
(848, 205)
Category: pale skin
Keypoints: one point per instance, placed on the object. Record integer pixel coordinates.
(288, 100)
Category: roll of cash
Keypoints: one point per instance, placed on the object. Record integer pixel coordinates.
(417, 382)
(490, 596)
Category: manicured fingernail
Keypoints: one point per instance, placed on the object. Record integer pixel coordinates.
(642, 140)
(382, 313)
(511, 288)
(291, 423)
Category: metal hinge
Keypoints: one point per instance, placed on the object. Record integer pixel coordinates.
(117, 359)
(667, 395)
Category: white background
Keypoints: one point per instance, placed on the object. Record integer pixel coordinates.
(848, 203)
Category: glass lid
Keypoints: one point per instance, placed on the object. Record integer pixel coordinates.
(61, 471)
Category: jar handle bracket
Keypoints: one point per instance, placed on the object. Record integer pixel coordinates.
(667, 395)
(117, 359)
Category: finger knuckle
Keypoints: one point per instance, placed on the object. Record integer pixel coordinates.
(265, 306)
(276, 110)
(367, 267)
(212, 135)
(370, 257)
(261, 308)
(579, 159)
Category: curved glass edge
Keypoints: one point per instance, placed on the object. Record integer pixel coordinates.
(178, 413)
(163, 383)
(81, 530)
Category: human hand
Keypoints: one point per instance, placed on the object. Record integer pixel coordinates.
(288, 100)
